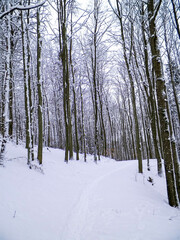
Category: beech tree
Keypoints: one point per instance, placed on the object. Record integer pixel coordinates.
(64, 56)
(150, 92)
(39, 87)
(73, 82)
(26, 92)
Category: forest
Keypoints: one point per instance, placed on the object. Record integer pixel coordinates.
(99, 77)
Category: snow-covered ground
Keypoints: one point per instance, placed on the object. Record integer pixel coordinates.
(83, 201)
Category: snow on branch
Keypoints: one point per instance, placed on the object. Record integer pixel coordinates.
(21, 8)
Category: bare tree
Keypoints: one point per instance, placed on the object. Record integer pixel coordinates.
(39, 86)
(63, 44)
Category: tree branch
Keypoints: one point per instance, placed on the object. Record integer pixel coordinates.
(21, 8)
(176, 18)
(157, 9)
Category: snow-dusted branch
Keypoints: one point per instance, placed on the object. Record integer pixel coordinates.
(19, 7)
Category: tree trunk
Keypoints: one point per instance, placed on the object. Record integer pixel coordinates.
(26, 92)
(94, 70)
(174, 153)
(162, 110)
(151, 99)
(39, 87)
(133, 98)
(29, 81)
(74, 91)
(62, 15)
(11, 85)
(83, 130)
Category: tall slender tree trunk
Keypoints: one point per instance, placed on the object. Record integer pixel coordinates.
(48, 120)
(94, 68)
(111, 150)
(103, 130)
(29, 80)
(132, 130)
(133, 98)
(83, 128)
(151, 99)
(62, 15)
(74, 91)
(26, 92)
(39, 87)
(11, 84)
(174, 152)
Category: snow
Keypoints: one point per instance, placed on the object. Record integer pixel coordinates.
(19, 7)
(83, 201)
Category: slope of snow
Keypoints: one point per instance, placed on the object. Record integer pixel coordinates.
(83, 201)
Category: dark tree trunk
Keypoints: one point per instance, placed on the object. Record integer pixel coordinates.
(94, 81)
(26, 92)
(83, 130)
(151, 99)
(29, 80)
(62, 15)
(39, 87)
(74, 91)
(11, 85)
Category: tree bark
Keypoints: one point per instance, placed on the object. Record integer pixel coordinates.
(62, 15)
(74, 91)
(39, 87)
(26, 93)
(83, 127)
(151, 99)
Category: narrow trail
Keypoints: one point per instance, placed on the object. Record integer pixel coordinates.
(77, 220)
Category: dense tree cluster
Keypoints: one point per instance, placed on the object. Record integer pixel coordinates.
(103, 80)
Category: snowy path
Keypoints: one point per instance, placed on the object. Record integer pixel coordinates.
(83, 201)
(77, 221)
(119, 205)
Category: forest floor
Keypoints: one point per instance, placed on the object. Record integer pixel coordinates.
(83, 201)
